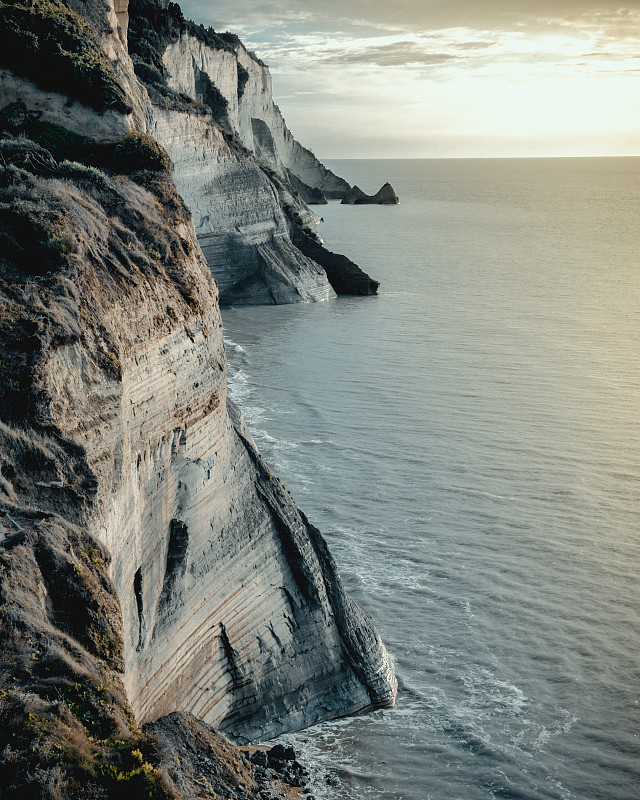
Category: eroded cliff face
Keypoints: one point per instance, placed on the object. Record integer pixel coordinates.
(238, 167)
(115, 421)
(239, 215)
(229, 600)
(245, 83)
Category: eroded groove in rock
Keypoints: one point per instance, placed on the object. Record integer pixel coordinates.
(176, 564)
(137, 591)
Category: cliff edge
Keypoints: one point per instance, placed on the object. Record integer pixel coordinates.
(237, 165)
(151, 563)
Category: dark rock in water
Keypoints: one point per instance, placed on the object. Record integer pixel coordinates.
(280, 752)
(385, 196)
(344, 275)
(259, 757)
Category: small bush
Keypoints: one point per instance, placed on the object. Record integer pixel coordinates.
(33, 240)
(17, 120)
(27, 155)
(139, 151)
(83, 174)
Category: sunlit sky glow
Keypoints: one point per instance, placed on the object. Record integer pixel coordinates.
(447, 78)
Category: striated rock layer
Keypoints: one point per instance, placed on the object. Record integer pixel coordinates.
(231, 603)
(245, 84)
(115, 426)
(239, 216)
(238, 167)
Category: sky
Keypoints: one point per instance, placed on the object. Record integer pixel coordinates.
(447, 78)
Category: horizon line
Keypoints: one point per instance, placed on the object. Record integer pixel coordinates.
(465, 158)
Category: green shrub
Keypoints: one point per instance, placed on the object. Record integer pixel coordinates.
(83, 174)
(139, 151)
(50, 44)
(243, 79)
(18, 120)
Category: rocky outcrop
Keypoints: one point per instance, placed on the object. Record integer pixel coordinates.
(208, 101)
(66, 730)
(245, 84)
(228, 595)
(385, 196)
(344, 275)
(238, 167)
(239, 216)
(147, 549)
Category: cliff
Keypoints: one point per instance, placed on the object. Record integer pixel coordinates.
(245, 209)
(151, 564)
(217, 70)
(239, 169)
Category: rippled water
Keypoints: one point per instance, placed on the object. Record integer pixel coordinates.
(469, 443)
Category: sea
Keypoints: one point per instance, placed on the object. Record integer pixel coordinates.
(468, 441)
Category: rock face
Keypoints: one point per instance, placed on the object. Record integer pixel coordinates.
(245, 209)
(229, 597)
(239, 215)
(245, 83)
(115, 428)
(385, 196)
(239, 169)
(345, 276)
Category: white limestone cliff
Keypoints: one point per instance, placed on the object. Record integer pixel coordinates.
(232, 606)
(239, 216)
(213, 111)
(252, 113)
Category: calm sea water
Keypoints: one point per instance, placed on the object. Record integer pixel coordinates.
(469, 442)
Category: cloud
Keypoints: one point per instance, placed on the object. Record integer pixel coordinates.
(425, 33)
(394, 54)
(421, 71)
(418, 15)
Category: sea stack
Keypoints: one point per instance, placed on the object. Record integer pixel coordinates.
(385, 196)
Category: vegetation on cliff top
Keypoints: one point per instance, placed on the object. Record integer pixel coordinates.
(151, 30)
(133, 152)
(50, 44)
(65, 728)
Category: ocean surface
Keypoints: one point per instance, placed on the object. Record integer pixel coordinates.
(469, 443)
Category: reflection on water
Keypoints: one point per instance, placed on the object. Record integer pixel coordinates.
(469, 443)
